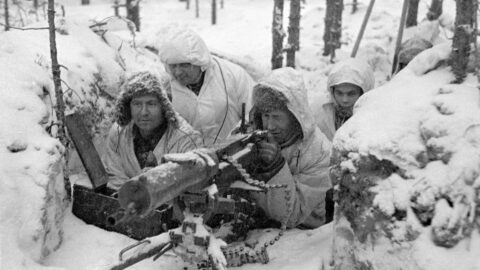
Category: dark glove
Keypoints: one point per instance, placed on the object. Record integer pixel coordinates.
(270, 157)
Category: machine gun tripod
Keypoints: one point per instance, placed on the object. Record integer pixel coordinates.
(183, 178)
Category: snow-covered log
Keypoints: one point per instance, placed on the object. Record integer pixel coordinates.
(408, 173)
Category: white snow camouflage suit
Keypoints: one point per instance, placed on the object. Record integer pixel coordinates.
(352, 71)
(306, 169)
(217, 108)
(120, 160)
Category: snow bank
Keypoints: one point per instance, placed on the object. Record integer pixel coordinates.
(32, 197)
(410, 169)
(387, 118)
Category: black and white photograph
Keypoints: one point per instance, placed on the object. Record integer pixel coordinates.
(239, 134)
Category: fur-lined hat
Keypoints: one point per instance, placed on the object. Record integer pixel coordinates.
(267, 99)
(139, 84)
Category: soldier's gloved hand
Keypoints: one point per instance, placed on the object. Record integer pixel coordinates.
(271, 159)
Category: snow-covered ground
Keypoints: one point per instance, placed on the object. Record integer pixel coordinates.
(32, 234)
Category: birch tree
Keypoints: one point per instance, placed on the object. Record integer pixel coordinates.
(277, 35)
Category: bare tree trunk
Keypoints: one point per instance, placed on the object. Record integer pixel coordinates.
(462, 38)
(277, 35)
(436, 8)
(57, 83)
(293, 32)
(214, 12)
(133, 12)
(221, 4)
(333, 27)
(188, 4)
(85, 2)
(328, 25)
(7, 23)
(35, 4)
(354, 6)
(412, 14)
(197, 9)
(115, 8)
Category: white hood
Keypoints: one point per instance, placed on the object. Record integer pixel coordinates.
(181, 45)
(352, 71)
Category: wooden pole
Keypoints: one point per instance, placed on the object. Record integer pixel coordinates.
(57, 83)
(399, 35)
(362, 28)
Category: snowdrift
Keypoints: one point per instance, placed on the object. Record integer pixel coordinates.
(32, 197)
(408, 167)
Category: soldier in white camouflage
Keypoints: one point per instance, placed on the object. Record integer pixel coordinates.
(146, 127)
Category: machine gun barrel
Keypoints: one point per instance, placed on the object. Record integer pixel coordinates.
(179, 173)
(122, 215)
(155, 187)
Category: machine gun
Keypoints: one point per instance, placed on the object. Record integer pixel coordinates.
(198, 182)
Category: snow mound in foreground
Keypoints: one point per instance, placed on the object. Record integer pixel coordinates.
(409, 172)
(32, 197)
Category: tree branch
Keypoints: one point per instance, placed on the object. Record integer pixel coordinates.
(26, 28)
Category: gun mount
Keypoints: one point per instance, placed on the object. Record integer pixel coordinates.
(183, 172)
(183, 179)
